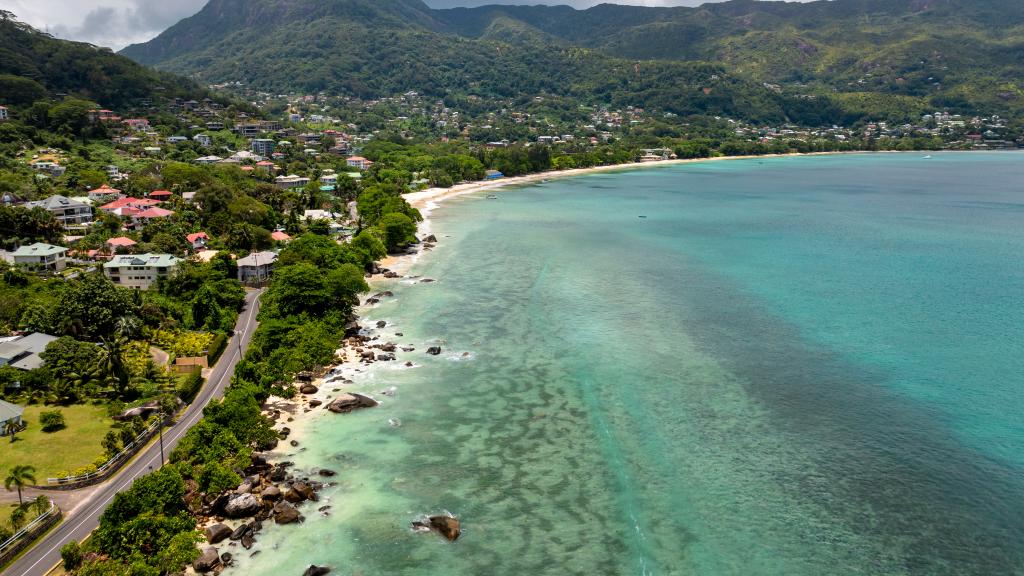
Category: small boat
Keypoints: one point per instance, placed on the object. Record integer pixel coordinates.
(641, 216)
(926, 157)
(492, 197)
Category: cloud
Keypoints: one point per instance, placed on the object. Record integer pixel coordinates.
(111, 23)
(573, 3)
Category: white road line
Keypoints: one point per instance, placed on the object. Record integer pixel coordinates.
(196, 414)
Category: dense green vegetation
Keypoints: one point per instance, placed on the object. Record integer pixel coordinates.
(722, 59)
(148, 528)
(33, 64)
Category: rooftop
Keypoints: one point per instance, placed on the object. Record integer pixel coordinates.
(147, 260)
(40, 249)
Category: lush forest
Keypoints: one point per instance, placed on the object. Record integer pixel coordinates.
(744, 59)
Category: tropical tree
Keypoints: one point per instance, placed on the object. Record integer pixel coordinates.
(19, 476)
(11, 428)
(112, 364)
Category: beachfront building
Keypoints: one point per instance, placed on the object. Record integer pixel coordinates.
(256, 268)
(40, 257)
(140, 271)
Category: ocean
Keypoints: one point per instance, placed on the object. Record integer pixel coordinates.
(799, 366)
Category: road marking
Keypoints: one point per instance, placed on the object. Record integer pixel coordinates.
(197, 412)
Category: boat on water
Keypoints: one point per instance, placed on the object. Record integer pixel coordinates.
(926, 157)
(492, 197)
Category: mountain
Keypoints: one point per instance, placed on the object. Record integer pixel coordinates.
(730, 58)
(34, 64)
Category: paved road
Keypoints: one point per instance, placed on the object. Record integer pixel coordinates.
(46, 553)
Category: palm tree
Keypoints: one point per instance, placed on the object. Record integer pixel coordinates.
(11, 428)
(112, 363)
(127, 326)
(20, 475)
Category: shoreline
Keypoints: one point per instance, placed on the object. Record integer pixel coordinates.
(347, 374)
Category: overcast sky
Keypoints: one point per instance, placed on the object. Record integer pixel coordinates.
(117, 23)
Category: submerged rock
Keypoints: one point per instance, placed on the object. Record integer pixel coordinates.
(381, 324)
(434, 350)
(315, 570)
(445, 525)
(285, 513)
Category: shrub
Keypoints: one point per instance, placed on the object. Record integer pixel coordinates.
(217, 347)
(71, 554)
(52, 420)
(189, 386)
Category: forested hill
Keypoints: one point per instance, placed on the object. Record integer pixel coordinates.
(853, 56)
(34, 65)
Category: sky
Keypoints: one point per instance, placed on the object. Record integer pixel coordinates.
(118, 23)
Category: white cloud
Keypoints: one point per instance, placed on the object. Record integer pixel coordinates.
(111, 23)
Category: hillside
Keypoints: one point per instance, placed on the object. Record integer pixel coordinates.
(34, 64)
(888, 48)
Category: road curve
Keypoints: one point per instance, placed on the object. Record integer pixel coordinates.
(45, 554)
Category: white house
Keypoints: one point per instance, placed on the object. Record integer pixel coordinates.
(358, 162)
(40, 257)
(3, 113)
(256, 267)
(140, 271)
(291, 181)
(65, 210)
(9, 413)
(203, 140)
(198, 240)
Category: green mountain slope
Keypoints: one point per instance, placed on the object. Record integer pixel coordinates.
(909, 54)
(34, 64)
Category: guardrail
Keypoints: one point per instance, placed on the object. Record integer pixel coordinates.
(15, 544)
(108, 467)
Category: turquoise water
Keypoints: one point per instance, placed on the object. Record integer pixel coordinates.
(790, 366)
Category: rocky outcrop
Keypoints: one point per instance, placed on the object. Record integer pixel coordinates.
(285, 513)
(434, 350)
(346, 403)
(309, 389)
(241, 506)
(217, 533)
(271, 494)
(315, 570)
(207, 561)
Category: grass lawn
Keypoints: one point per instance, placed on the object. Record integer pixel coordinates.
(50, 453)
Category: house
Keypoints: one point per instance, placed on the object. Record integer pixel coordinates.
(65, 210)
(256, 267)
(215, 126)
(51, 168)
(358, 162)
(290, 181)
(137, 124)
(3, 113)
(203, 140)
(329, 179)
(248, 130)
(263, 146)
(9, 414)
(129, 206)
(119, 244)
(104, 192)
(160, 195)
(22, 352)
(40, 257)
(206, 160)
(267, 165)
(198, 240)
(145, 216)
(280, 236)
(140, 271)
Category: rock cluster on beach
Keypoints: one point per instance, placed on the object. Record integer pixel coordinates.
(268, 492)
